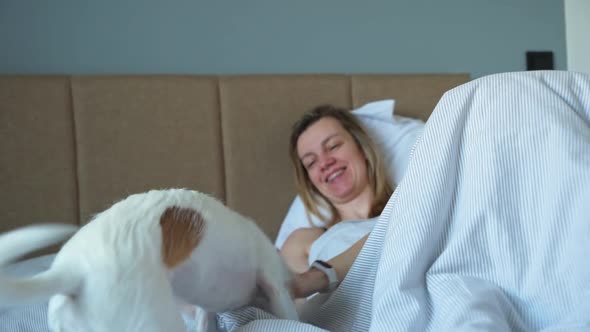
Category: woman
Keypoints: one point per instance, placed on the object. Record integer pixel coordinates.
(338, 170)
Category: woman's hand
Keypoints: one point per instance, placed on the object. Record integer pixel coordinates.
(314, 280)
(308, 283)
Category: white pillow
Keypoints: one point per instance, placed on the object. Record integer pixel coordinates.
(395, 137)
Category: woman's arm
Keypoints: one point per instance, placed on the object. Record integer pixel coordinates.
(296, 248)
(313, 280)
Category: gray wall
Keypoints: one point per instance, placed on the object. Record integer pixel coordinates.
(277, 36)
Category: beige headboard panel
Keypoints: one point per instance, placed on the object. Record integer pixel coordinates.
(415, 95)
(72, 145)
(135, 133)
(37, 154)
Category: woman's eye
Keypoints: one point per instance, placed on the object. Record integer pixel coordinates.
(334, 146)
(308, 166)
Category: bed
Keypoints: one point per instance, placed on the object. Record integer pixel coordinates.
(72, 145)
(487, 230)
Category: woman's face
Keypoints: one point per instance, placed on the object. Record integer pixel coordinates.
(334, 163)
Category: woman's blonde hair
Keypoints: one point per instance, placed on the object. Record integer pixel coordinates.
(312, 198)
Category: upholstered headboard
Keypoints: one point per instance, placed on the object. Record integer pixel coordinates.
(72, 145)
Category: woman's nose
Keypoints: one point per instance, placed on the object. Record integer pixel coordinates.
(326, 161)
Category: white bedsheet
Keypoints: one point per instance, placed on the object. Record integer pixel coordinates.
(31, 318)
(34, 318)
(489, 229)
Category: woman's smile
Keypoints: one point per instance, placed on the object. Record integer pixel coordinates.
(332, 176)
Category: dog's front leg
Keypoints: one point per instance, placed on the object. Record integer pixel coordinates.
(279, 299)
(196, 319)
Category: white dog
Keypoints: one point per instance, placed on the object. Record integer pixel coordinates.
(130, 266)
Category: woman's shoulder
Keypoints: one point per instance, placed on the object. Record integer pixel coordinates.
(297, 246)
(303, 237)
(306, 233)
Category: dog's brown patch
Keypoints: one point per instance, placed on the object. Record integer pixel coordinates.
(182, 230)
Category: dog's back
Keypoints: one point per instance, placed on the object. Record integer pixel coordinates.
(226, 267)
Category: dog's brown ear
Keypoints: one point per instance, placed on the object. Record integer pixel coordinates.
(182, 230)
